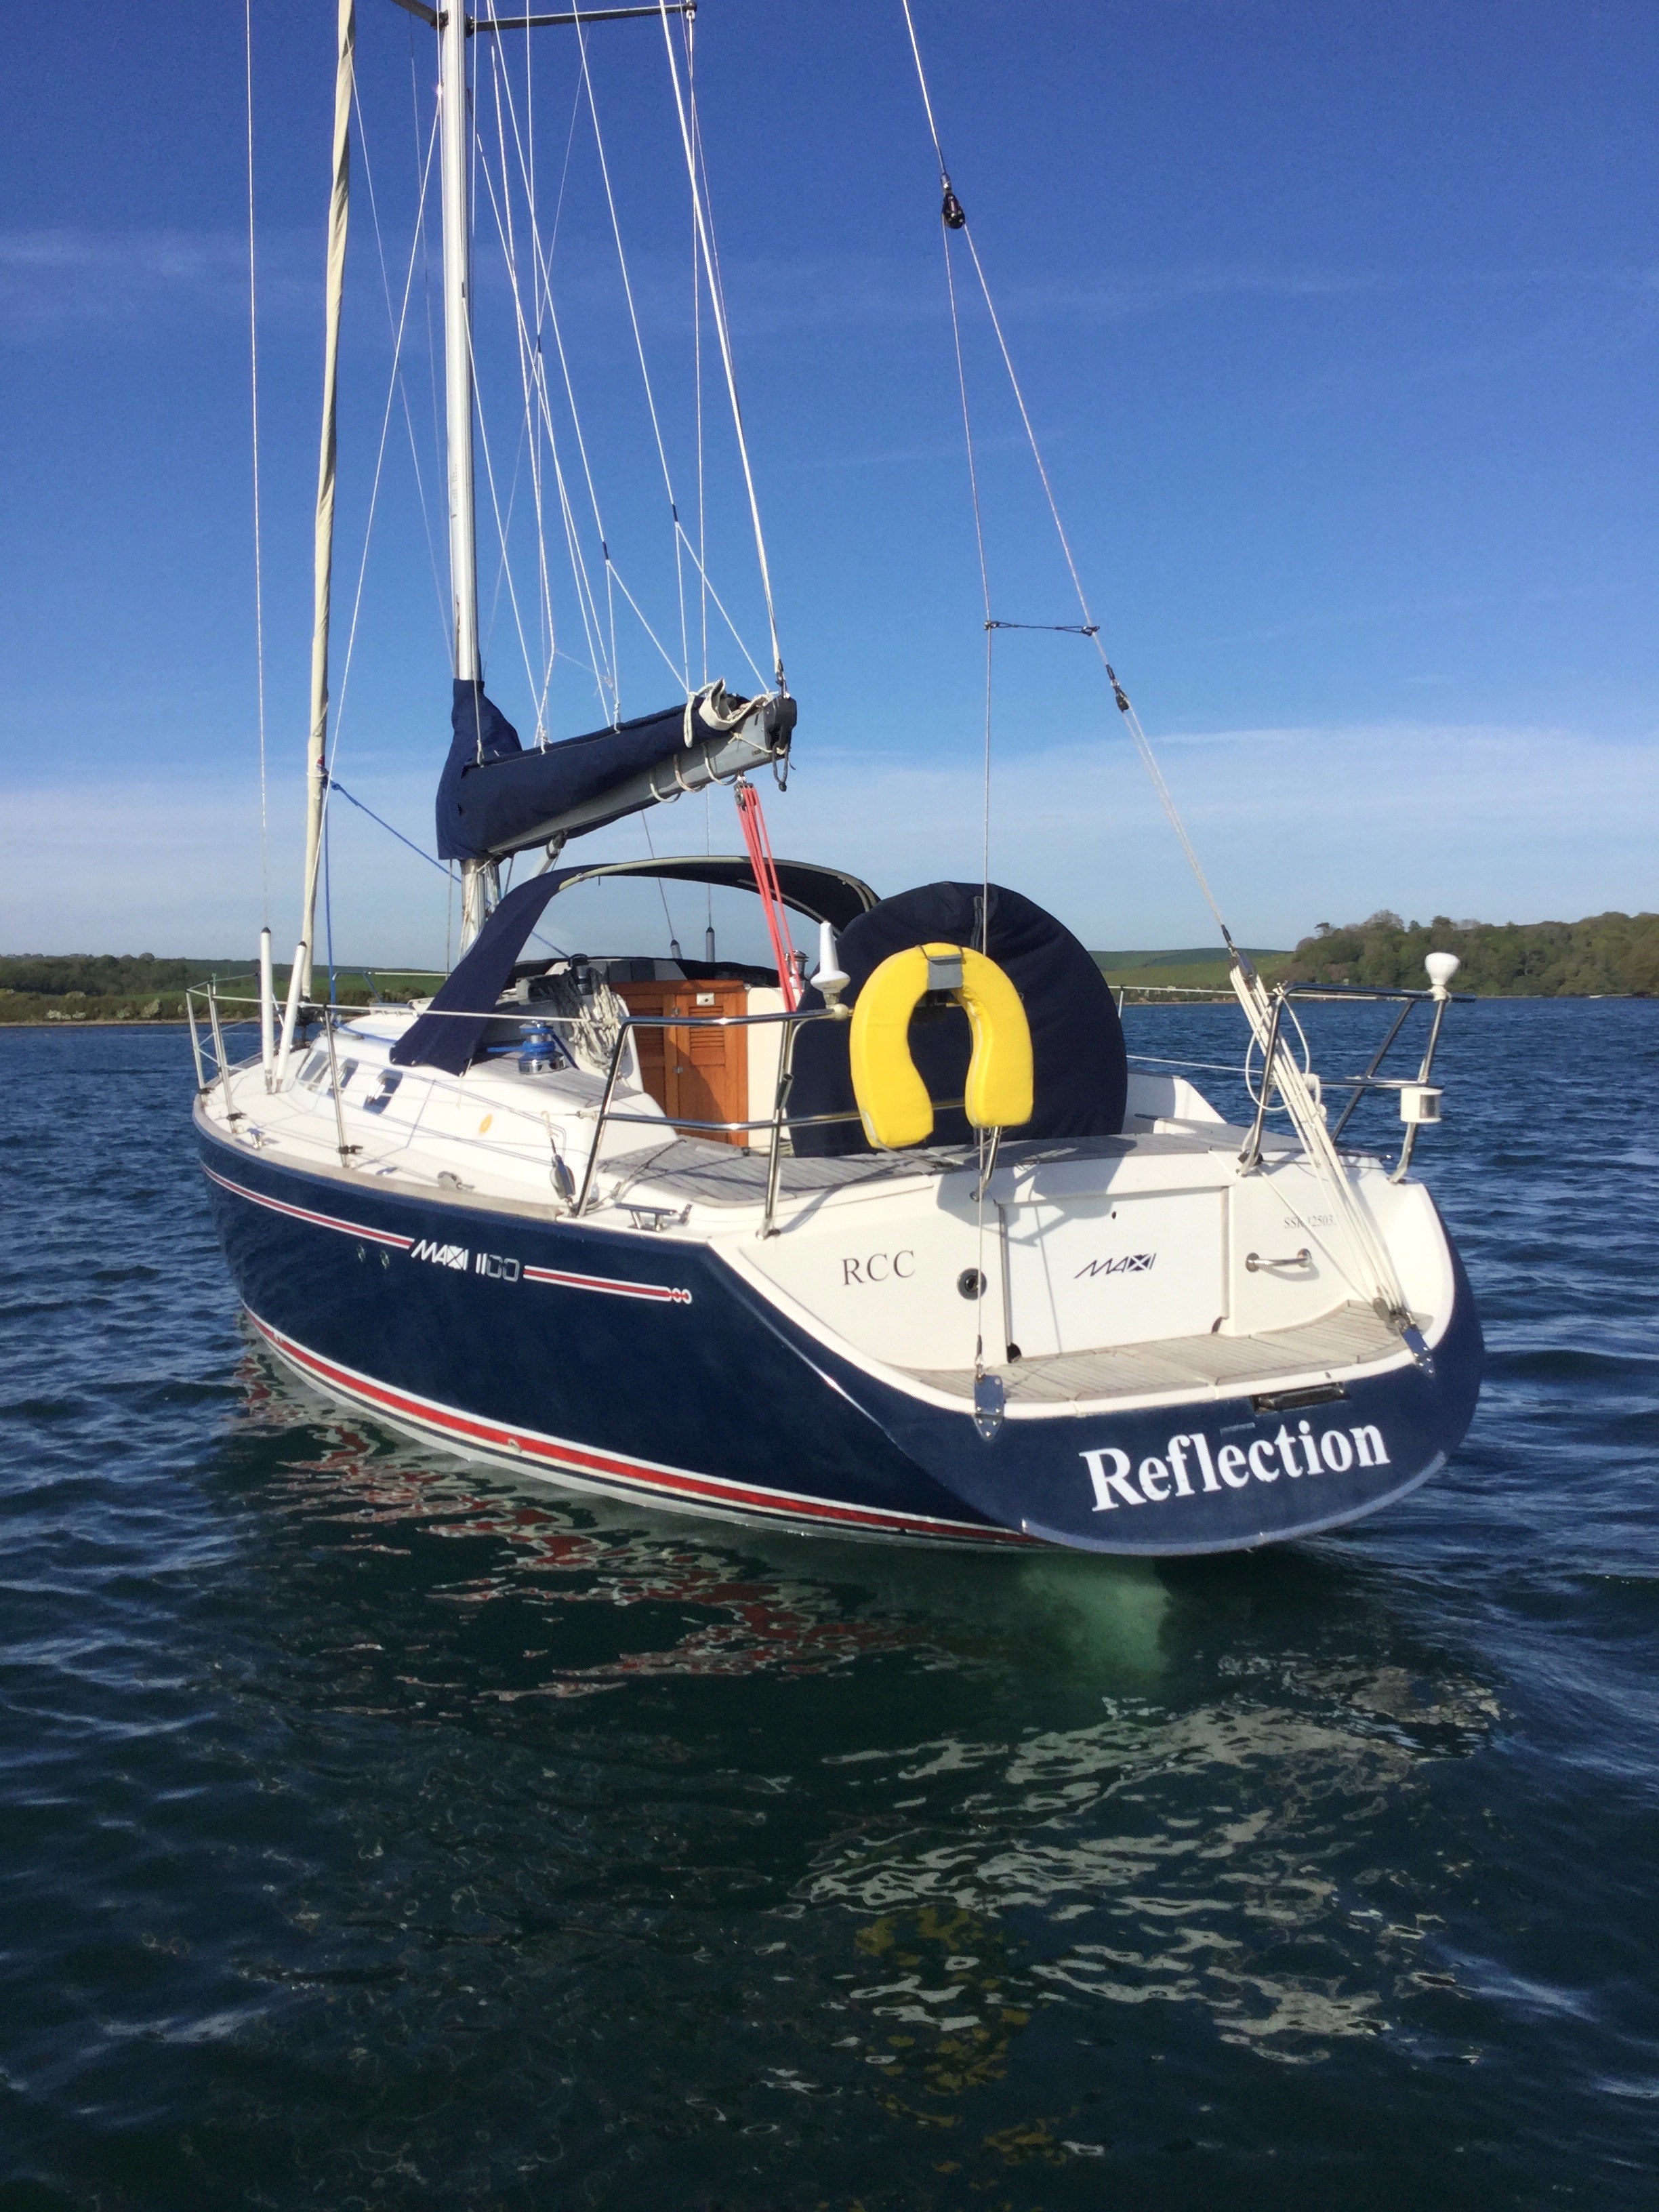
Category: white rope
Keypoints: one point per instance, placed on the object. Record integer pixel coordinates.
(612, 570)
(737, 635)
(722, 331)
(258, 534)
(603, 676)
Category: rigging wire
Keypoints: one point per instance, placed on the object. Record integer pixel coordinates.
(722, 331)
(639, 345)
(506, 571)
(955, 219)
(258, 534)
(662, 888)
(546, 310)
(697, 385)
(393, 386)
(425, 237)
(549, 638)
(587, 600)
(615, 581)
(395, 322)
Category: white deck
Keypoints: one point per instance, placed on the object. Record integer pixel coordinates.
(1142, 1267)
(1352, 1337)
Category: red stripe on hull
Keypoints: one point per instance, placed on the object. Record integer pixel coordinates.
(658, 1291)
(635, 1476)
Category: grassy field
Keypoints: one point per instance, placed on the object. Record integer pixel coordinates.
(1195, 968)
(124, 987)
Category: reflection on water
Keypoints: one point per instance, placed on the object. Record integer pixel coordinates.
(1198, 1842)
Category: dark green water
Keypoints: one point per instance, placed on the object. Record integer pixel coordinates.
(377, 1834)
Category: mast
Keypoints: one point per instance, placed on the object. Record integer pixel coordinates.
(478, 882)
(317, 742)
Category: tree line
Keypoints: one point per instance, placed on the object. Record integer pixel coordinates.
(1606, 955)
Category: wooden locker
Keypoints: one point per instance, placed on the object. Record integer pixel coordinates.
(696, 1073)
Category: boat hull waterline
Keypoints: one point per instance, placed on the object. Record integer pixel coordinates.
(642, 1365)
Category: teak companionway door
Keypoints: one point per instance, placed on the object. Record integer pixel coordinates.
(697, 1074)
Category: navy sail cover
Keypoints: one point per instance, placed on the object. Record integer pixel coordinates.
(494, 796)
(450, 1034)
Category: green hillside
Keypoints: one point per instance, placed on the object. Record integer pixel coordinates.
(1605, 956)
(108, 987)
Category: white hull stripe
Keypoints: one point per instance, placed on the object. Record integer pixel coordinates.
(659, 1291)
(305, 1213)
(525, 1447)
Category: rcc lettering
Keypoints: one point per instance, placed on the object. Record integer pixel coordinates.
(1188, 1467)
(879, 1267)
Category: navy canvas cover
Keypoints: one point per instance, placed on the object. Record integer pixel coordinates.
(1080, 1071)
(480, 732)
(823, 894)
(450, 1034)
(493, 795)
(439, 1038)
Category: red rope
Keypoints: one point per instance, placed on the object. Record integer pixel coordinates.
(752, 823)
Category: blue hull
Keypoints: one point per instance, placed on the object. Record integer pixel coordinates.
(643, 1367)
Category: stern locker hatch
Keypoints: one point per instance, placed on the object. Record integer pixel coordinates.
(1096, 1272)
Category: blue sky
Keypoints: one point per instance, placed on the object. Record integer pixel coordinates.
(1338, 326)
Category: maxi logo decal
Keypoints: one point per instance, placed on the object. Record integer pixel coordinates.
(1114, 1476)
(492, 1265)
(1131, 1263)
(307, 1214)
(442, 1256)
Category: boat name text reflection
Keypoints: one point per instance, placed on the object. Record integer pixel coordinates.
(1188, 1464)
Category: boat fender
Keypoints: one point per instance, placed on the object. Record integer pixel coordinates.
(892, 1099)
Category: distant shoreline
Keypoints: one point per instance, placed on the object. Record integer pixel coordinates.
(1147, 1006)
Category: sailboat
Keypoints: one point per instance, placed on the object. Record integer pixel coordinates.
(909, 1251)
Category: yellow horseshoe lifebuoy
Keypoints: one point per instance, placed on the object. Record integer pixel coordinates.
(892, 1099)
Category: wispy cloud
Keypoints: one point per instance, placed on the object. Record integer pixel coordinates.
(61, 284)
(1295, 826)
(56, 283)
